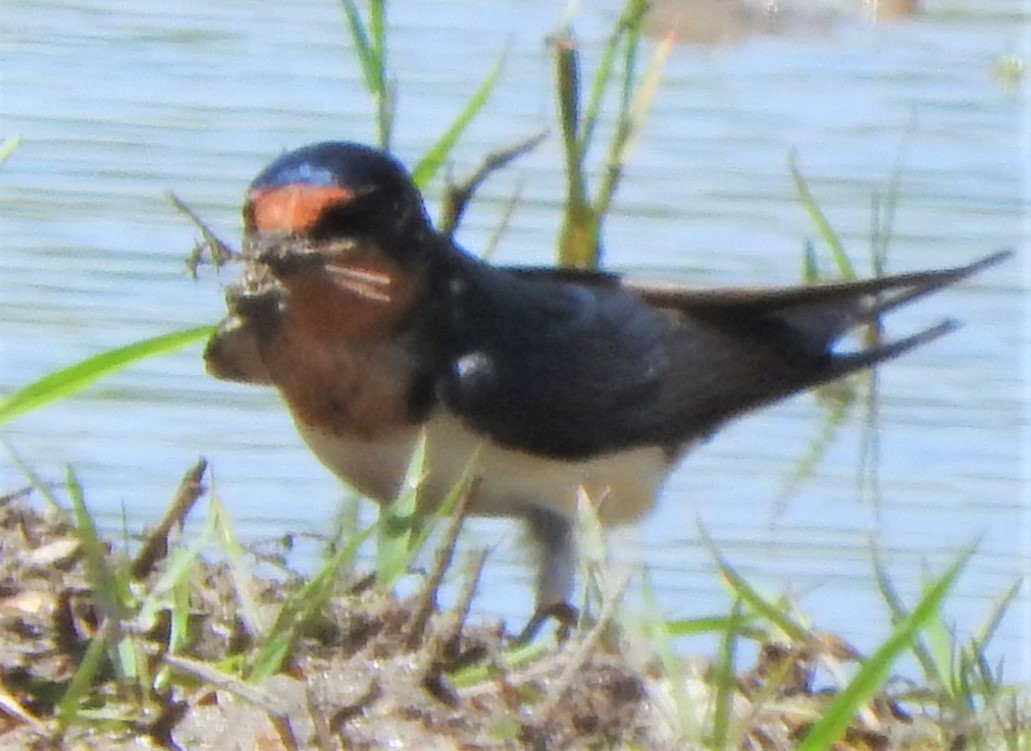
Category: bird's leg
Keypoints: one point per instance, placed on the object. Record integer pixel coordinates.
(554, 536)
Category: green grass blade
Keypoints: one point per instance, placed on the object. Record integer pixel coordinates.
(716, 624)
(725, 679)
(172, 592)
(592, 551)
(378, 29)
(176, 569)
(987, 631)
(899, 614)
(810, 263)
(516, 657)
(823, 225)
(385, 107)
(599, 84)
(567, 90)
(888, 207)
(630, 30)
(660, 637)
(75, 378)
(627, 31)
(577, 241)
(79, 686)
(110, 590)
(109, 584)
(749, 596)
(7, 147)
(299, 606)
(396, 521)
(240, 573)
(176, 573)
(37, 482)
(363, 47)
(385, 91)
(445, 508)
(871, 676)
(370, 48)
(432, 160)
(179, 618)
(637, 101)
(941, 646)
(887, 589)
(644, 94)
(837, 400)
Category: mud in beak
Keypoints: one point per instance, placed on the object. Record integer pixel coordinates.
(233, 353)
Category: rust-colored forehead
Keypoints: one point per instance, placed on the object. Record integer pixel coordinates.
(292, 209)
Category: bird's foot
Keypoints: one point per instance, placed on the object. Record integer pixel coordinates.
(564, 614)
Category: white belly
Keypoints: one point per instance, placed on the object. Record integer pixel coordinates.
(623, 484)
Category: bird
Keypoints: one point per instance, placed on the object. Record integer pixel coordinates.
(545, 383)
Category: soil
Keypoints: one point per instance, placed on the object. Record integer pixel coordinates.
(355, 679)
(367, 671)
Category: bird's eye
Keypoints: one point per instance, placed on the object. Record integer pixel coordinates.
(355, 216)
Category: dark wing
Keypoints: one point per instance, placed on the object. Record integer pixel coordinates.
(900, 289)
(553, 364)
(569, 364)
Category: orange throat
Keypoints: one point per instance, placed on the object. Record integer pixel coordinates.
(335, 357)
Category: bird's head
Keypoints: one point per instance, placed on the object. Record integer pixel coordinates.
(343, 229)
(336, 250)
(337, 192)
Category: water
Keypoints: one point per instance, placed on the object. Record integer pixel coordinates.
(118, 102)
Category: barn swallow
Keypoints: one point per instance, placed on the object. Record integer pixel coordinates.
(374, 327)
